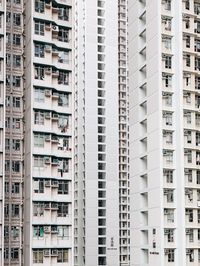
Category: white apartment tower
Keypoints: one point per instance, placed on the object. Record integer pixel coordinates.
(101, 182)
(164, 65)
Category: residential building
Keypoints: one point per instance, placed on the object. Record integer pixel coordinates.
(164, 132)
(64, 149)
(101, 180)
(48, 214)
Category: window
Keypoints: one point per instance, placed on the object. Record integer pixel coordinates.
(14, 253)
(167, 81)
(16, 60)
(188, 117)
(38, 161)
(7, 102)
(197, 63)
(14, 232)
(63, 187)
(187, 23)
(38, 231)
(39, 140)
(191, 236)
(16, 81)
(39, 6)
(170, 196)
(39, 50)
(16, 166)
(6, 188)
(63, 231)
(38, 209)
(63, 57)
(39, 95)
(167, 24)
(168, 62)
(38, 185)
(17, 2)
(8, 38)
(16, 102)
(16, 123)
(8, 17)
(62, 255)
(63, 99)
(16, 39)
(7, 166)
(170, 255)
(189, 213)
(187, 4)
(16, 143)
(39, 28)
(38, 256)
(167, 43)
(15, 188)
(16, 19)
(39, 117)
(63, 166)
(170, 236)
(188, 175)
(198, 177)
(63, 78)
(39, 72)
(167, 5)
(15, 210)
(63, 35)
(168, 175)
(168, 119)
(188, 61)
(62, 209)
(188, 41)
(8, 60)
(63, 13)
(6, 210)
(198, 216)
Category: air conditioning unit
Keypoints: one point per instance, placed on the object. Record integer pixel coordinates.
(188, 251)
(166, 212)
(47, 93)
(47, 115)
(47, 48)
(187, 191)
(54, 252)
(55, 116)
(165, 152)
(47, 206)
(47, 138)
(46, 252)
(187, 231)
(47, 229)
(198, 203)
(47, 160)
(48, 70)
(166, 251)
(166, 191)
(54, 206)
(166, 231)
(54, 183)
(55, 28)
(47, 183)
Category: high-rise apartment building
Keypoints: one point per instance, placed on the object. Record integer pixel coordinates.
(64, 151)
(37, 134)
(101, 193)
(164, 72)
